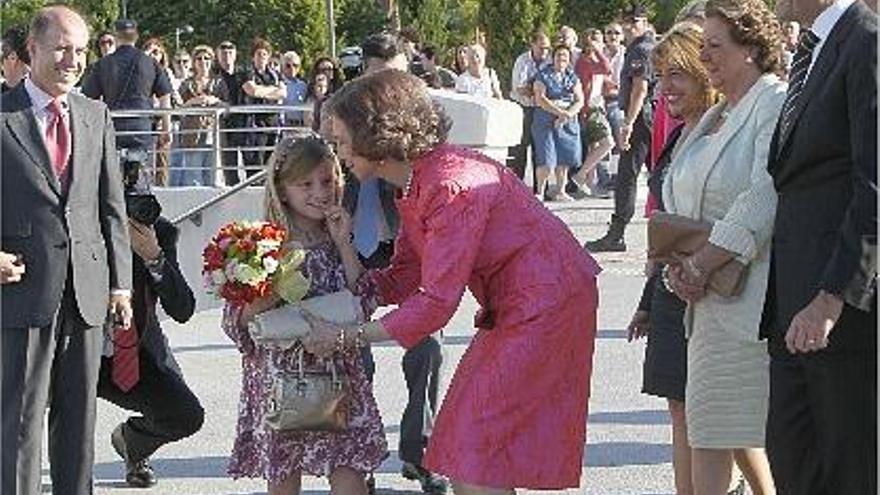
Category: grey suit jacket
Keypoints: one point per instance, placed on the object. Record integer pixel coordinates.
(79, 238)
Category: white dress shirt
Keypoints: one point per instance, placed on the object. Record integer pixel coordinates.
(40, 101)
(824, 24)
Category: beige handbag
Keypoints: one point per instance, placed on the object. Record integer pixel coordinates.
(672, 237)
(282, 327)
(308, 400)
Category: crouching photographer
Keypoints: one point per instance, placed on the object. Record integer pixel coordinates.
(138, 371)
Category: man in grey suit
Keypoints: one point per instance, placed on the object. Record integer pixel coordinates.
(64, 255)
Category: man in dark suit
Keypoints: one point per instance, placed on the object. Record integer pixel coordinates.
(64, 222)
(821, 307)
(169, 410)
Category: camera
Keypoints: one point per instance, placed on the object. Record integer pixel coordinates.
(140, 203)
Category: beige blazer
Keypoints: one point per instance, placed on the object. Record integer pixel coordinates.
(723, 179)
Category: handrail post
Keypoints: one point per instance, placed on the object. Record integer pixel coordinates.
(218, 159)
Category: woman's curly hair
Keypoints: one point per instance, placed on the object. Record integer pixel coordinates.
(753, 24)
(389, 114)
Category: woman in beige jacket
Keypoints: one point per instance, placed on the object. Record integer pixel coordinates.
(720, 175)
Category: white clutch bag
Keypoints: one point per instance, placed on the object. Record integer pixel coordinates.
(284, 326)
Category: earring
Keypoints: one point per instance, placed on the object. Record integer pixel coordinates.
(749, 60)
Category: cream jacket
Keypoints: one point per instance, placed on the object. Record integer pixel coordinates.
(723, 179)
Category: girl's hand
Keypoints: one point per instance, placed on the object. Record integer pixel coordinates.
(323, 340)
(338, 225)
(639, 326)
(258, 306)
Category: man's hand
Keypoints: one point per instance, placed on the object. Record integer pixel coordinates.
(143, 240)
(11, 268)
(810, 328)
(120, 309)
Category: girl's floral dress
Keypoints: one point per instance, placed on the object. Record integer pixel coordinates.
(260, 451)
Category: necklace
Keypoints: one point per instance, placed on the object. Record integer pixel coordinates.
(408, 184)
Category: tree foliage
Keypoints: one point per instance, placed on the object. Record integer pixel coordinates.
(99, 14)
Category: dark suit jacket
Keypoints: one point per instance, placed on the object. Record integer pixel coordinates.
(387, 194)
(825, 172)
(82, 235)
(171, 291)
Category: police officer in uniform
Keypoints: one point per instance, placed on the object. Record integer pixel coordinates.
(634, 139)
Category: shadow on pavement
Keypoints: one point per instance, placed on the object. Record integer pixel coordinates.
(617, 454)
(638, 418)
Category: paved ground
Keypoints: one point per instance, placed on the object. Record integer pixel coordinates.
(628, 446)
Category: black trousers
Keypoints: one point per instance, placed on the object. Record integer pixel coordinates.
(519, 154)
(628, 169)
(421, 370)
(231, 141)
(56, 367)
(255, 160)
(169, 410)
(822, 424)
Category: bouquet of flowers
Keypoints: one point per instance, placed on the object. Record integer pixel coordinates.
(248, 260)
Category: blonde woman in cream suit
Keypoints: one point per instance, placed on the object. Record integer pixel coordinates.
(719, 175)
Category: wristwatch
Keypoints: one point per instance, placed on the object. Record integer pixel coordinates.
(155, 265)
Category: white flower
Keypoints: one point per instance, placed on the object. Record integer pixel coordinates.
(270, 264)
(247, 274)
(218, 277)
(266, 245)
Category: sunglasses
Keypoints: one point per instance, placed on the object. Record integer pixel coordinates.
(205, 57)
(292, 65)
(613, 33)
(106, 41)
(182, 61)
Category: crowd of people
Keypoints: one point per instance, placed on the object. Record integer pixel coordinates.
(762, 130)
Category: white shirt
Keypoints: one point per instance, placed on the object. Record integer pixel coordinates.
(824, 24)
(524, 70)
(616, 63)
(40, 101)
(477, 86)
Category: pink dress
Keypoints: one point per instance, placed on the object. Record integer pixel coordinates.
(515, 413)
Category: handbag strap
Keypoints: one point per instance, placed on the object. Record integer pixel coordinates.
(330, 366)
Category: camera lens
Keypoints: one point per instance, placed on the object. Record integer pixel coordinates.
(143, 209)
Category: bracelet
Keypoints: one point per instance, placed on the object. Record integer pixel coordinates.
(340, 341)
(664, 278)
(359, 338)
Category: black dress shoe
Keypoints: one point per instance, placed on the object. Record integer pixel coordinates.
(606, 244)
(137, 474)
(431, 483)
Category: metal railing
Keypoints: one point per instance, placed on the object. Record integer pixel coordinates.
(218, 145)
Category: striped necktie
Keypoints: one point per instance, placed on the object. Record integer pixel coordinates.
(800, 66)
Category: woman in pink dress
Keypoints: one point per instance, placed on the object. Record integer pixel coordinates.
(515, 413)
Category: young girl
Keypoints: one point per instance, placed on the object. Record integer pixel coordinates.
(303, 189)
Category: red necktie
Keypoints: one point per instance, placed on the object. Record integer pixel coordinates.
(57, 140)
(125, 372)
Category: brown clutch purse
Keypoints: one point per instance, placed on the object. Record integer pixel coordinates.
(672, 237)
